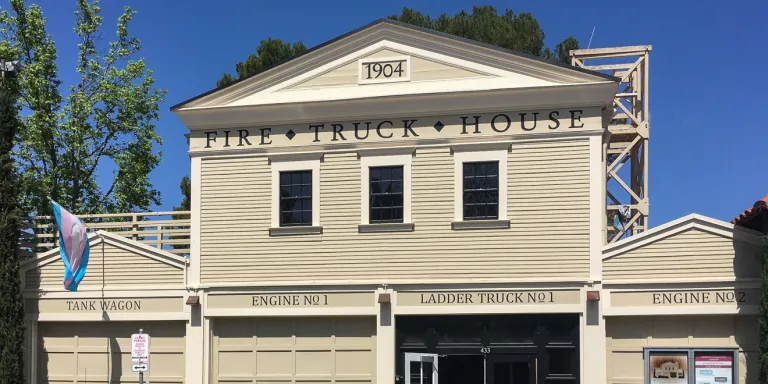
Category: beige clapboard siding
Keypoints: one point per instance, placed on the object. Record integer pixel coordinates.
(112, 266)
(627, 336)
(690, 253)
(421, 70)
(547, 238)
(70, 352)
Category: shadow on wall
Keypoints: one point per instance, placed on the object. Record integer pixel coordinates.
(747, 265)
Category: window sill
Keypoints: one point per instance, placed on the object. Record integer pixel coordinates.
(298, 230)
(387, 227)
(480, 224)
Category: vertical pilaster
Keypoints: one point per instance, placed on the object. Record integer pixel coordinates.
(594, 369)
(195, 340)
(385, 340)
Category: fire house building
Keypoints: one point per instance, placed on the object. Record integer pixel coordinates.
(400, 206)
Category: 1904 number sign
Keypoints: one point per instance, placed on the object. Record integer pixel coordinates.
(384, 70)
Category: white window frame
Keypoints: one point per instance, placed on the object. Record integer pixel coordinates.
(366, 162)
(461, 156)
(288, 166)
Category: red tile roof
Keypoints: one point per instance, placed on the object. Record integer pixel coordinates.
(756, 217)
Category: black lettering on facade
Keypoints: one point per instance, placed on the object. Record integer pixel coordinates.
(656, 298)
(553, 117)
(574, 118)
(464, 124)
(522, 121)
(243, 134)
(505, 117)
(265, 136)
(226, 138)
(378, 129)
(742, 297)
(367, 129)
(317, 128)
(337, 128)
(407, 127)
(208, 138)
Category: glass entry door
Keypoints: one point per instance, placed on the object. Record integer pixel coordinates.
(420, 368)
(510, 369)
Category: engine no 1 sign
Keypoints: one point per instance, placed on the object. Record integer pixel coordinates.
(140, 352)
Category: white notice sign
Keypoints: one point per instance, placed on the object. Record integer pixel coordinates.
(140, 352)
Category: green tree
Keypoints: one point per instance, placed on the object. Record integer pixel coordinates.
(107, 120)
(11, 302)
(270, 52)
(520, 32)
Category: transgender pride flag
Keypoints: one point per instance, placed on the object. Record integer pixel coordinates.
(73, 246)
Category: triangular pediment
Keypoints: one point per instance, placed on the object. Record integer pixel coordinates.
(422, 61)
(113, 261)
(692, 247)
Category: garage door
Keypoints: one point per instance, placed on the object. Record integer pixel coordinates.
(101, 352)
(291, 350)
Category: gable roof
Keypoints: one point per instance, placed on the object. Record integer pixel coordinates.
(682, 224)
(99, 237)
(388, 22)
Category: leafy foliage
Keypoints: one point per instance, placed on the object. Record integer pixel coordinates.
(270, 52)
(520, 32)
(105, 123)
(11, 301)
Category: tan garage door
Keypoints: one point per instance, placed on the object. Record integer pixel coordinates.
(291, 350)
(627, 336)
(76, 353)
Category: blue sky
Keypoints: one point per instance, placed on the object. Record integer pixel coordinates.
(708, 151)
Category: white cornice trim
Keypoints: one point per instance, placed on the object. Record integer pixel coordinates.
(707, 224)
(479, 100)
(99, 237)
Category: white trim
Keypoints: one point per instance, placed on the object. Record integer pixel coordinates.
(99, 237)
(684, 310)
(279, 165)
(468, 283)
(403, 58)
(597, 207)
(487, 309)
(460, 157)
(98, 293)
(194, 239)
(685, 223)
(366, 162)
(450, 102)
(289, 312)
(147, 316)
(678, 284)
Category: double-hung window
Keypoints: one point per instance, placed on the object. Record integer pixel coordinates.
(295, 196)
(386, 192)
(480, 188)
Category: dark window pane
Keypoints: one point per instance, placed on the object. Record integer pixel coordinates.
(296, 198)
(481, 191)
(561, 361)
(386, 194)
